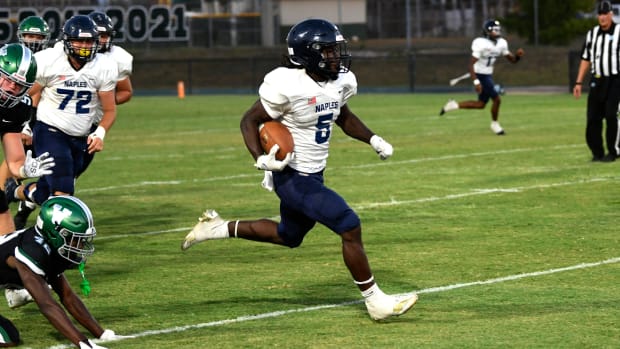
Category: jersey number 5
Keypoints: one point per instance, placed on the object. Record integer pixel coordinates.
(323, 126)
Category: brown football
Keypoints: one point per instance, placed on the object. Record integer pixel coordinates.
(274, 132)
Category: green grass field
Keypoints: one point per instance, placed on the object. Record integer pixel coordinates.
(512, 242)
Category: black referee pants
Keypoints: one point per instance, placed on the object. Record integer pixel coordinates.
(603, 101)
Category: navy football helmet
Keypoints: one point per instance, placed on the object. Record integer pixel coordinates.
(492, 29)
(105, 27)
(319, 47)
(80, 28)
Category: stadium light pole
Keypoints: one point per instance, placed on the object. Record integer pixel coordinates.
(408, 23)
(535, 22)
(267, 24)
(418, 18)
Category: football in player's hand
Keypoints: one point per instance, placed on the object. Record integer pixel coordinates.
(274, 132)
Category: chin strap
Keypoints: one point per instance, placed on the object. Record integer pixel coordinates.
(85, 284)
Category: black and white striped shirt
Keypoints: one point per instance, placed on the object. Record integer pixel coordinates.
(602, 50)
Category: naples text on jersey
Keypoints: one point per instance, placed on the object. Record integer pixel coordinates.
(327, 106)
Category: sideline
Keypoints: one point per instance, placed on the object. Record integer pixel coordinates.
(245, 318)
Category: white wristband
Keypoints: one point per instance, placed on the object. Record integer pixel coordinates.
(476, 82)
(22, 172)
(99, 132)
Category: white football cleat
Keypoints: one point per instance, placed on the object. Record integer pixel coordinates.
(380, 308)
(495, 127)
(210, 226)
(16, 297)
(449, 106)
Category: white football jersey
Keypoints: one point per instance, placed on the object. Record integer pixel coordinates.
(309, 110)
(69, 99)
(124, 61)
(487, 52)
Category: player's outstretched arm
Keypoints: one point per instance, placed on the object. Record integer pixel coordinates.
(353, 125)
(74, 305)
(355, 128)
(49, 307)
(515, 57)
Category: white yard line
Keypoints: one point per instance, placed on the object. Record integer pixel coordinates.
(245, 318)
(365, 206)
(279, 313)
(255, 174)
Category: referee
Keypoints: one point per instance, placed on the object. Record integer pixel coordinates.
(601, 53)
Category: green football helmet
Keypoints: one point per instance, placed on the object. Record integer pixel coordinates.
(34, 25)
(18, 70)
(66, 224)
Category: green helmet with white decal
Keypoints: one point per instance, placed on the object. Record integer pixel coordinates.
(66, 224)
(18, 70)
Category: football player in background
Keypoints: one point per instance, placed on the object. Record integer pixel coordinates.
(308, 95)
(484, 52)
(71, 85)
(38, 256)
(599, 56)
(124, 61)
(18, 70)
(123, 93)
(34, 33)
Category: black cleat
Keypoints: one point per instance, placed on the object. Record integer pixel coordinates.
(606, 158)
(24, 210)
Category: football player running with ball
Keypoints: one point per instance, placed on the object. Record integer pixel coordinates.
(309, 95)
(484, 52)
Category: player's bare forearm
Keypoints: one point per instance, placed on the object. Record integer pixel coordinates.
(108, 105)
(472, 71)
(75, 306)
(48, 306)
(514, 58)
(581, 73)
(124, 91)
(353, 126)
(250, 121)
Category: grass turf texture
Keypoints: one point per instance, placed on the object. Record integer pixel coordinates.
(454, 205)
